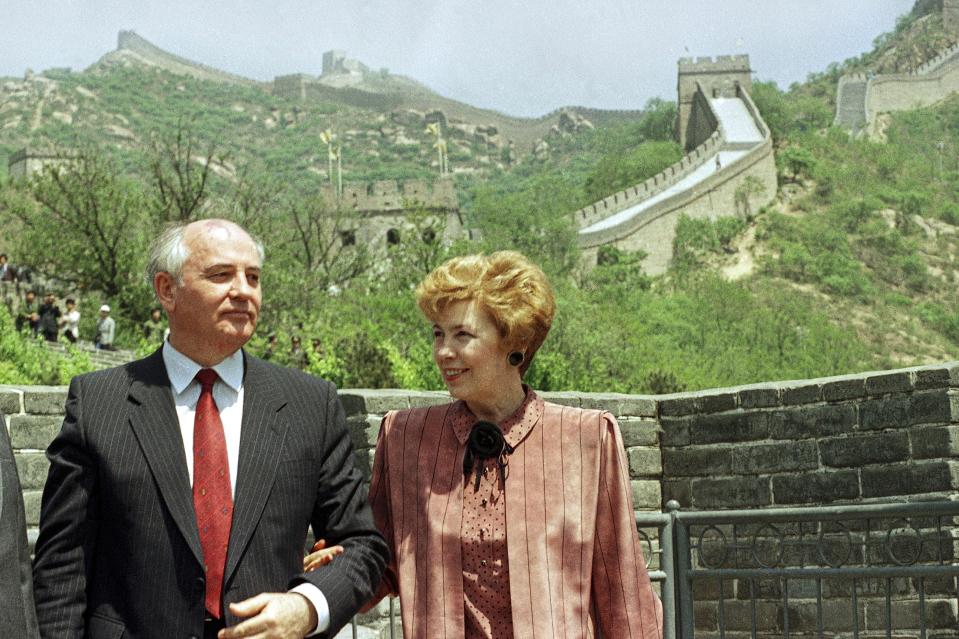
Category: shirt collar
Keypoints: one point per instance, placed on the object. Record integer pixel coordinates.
(515, 427)
(182, 370)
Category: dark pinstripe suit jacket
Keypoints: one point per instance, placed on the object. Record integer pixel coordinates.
(119, 553)
(17, 617)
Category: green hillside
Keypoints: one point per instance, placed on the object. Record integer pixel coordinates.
(853, 267)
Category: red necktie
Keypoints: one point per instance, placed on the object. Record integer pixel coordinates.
(212, 495)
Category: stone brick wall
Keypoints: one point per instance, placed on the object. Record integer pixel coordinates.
(130, 41)
(881, 436)
(890, 435)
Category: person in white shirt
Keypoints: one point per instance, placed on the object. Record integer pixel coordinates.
(70, 321)
(182, 485)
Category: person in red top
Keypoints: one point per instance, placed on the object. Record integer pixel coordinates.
(506, 515)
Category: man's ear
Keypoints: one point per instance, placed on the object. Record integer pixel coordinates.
(165, 287)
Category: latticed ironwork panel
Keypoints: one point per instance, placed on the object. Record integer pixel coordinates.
(876, 570)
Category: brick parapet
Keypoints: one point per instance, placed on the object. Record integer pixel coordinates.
(653, 186)
(871, 436)
(749, 163)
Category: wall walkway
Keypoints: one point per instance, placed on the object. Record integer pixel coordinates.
(702, 185)
(861, 98)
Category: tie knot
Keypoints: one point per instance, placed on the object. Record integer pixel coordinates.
(206, 377)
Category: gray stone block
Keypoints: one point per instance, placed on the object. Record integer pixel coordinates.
(10, 403)
(804, 394)
(939, 614)
(774, 458)
(376, 401)
(44, 400)
(818, 487)
(845, 388)
(894, 382)
(644, 462)
(34, 431)
(908, 479)
(647, 494)
(934, 441)
(31, 506)
(731, 492)
(804, 422)
(424, 399)
(32, 469)
(858, 450)
(620, 405)
(563, 398)
(679, 405)
(729, 427)
(639, 431)
(363, 430)
(932, 407)
(679, 489)
(759, 397)
(932, 377)
(900, 411)
(675, 431)
(719, 402)
(697, 461)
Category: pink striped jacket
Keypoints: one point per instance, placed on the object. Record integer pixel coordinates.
(574, 555)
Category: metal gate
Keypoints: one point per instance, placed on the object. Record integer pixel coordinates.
(874, 570)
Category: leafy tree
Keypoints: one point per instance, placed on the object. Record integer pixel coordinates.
(535, 221)
(616, 172)
(179, 175)
(86, 225)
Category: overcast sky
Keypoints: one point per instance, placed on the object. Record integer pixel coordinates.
(523, 57)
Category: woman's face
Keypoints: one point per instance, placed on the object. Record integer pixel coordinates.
(468, 351)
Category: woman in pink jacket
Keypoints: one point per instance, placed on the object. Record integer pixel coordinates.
(507, 516)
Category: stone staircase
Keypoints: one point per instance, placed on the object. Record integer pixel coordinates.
(101, 359)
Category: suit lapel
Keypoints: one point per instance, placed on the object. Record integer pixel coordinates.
(261, 440)
(155, 424)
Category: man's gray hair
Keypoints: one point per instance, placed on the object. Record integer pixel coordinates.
(169, 252)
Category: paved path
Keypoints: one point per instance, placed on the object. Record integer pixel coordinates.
(739, 127)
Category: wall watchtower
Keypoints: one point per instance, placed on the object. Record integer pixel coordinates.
(950, 15)
(717, 76)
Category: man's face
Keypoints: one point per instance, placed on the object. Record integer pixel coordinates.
(49, 298)
(31, 296)
(155, 315)
(214, 311)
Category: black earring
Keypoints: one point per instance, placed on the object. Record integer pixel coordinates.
(515, 358)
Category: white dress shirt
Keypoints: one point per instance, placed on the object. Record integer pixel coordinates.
(228, 395)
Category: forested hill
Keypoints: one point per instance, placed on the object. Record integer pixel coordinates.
(853, 266)
(140, 91)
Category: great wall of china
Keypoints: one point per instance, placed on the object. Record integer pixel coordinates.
(861, 98)
(729, 149)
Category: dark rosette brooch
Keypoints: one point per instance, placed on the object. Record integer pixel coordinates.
(485, 442)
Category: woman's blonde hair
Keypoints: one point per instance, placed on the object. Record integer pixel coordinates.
(510, 288)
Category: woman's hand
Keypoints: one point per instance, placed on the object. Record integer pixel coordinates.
(321, 555)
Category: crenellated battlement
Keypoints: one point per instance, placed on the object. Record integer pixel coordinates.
(390, 196)
(716, 64)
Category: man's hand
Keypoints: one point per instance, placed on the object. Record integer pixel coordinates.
(272, 615)
(320, 556)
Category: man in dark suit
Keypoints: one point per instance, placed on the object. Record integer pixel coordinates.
(18, 619)
(128, 550)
